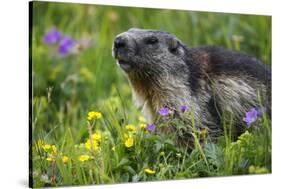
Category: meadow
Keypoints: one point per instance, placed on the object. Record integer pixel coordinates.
(85, 127)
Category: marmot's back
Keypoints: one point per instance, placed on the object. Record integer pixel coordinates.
(224, 61)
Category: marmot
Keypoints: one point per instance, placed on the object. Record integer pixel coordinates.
(164, 72)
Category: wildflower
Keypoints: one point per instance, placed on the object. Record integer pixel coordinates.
(46, 147)
(149, 171)
(53, 36)
(94, 115)
(142, 119)
(65, 46)
(143, 126)
(65, 159)
(260, 111)
(96, 136)
(150, 127)
(54, 149)
(92, 144)
(130, 128)
(184, 108)
(251, 116)
(84, 158)
(129, 142)
(164, 111)
(50, 159)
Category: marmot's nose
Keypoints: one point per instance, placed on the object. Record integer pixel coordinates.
(120, 42)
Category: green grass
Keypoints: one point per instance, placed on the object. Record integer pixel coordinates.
(65, 89)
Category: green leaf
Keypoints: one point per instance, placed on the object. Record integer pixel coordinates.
(123, 162)
(213, 153)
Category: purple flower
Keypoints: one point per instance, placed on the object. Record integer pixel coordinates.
(150, 127)
(260, 111)
(65, 46)
(53, 36)
(184, 108)
(251, 116)
(164, 111)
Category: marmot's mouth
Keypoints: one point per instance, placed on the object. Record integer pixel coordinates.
(122, 62)
(125, 65)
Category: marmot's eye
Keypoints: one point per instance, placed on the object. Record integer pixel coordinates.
(151, 40)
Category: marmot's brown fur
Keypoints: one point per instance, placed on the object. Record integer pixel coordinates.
(163, 72)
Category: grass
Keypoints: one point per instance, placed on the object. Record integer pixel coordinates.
(66, 88)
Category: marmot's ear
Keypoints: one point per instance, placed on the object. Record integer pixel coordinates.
(173, 45)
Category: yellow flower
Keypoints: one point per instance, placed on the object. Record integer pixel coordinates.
(96, 136)
(50, 158)
(84, 158)
(65, 159)
(143, 126)
(131, 128)
(92, 144)
(129, 142)
(46, 147)
(149, 171)
(54, 149)
(94, 115)
(142, 119)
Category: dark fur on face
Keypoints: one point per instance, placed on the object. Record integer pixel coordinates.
(163, 71)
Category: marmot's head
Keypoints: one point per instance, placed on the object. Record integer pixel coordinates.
(156, 64)
(148, 52)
